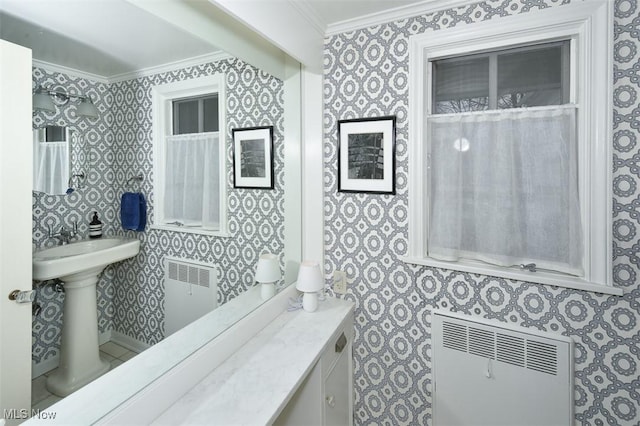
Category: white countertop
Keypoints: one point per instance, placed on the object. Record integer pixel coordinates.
(255, 383)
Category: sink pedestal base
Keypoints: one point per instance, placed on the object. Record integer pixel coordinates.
(80, 361)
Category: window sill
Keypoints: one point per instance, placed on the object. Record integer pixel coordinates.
(187, 230)
(539, 277)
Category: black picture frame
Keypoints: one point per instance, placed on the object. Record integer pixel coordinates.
(367, 155)
(253, 157)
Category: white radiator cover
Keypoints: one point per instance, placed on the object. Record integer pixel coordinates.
(490, 373)
(190, 291)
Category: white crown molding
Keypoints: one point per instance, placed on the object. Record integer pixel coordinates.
(171, 66)
(144, 72)
(394, 14)
(69, 71)
(310, 15)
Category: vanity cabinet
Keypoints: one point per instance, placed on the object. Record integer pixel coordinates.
(338, 387)
(325, 396)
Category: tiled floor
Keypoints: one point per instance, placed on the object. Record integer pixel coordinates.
(41, 398)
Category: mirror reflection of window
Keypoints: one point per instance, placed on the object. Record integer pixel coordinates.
(194, 165)
(51, 160)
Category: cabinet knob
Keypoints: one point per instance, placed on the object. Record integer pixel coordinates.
(331, 401)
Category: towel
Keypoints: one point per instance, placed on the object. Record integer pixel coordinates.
(133, 211)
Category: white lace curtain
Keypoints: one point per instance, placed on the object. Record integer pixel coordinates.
(50, 165)
(504, 188)
(192, 185)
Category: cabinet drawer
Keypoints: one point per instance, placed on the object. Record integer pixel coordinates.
(339, 344)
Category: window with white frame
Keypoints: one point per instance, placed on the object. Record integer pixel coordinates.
(189, 155)
(511, 172)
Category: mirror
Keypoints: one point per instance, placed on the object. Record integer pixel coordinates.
(58, 159)
(117, 146)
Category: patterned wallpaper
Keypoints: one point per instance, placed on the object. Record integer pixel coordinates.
(131, 294)
(366, 74)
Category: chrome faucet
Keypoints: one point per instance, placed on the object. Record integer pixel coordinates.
(64, 236)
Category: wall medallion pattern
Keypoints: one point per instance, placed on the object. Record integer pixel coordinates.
(366, 74)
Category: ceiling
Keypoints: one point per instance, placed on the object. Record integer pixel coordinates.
(103, 37)
(112, 37)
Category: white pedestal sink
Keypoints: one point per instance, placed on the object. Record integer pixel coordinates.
(78, 265)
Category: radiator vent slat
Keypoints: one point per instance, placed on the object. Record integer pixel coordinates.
(542, 357)
(189, 274)
(482, 343)
(203, 279)
(514, 349)
(173, 270)
(183, 273)
(193, 275)
(510, 349)
(454, 336)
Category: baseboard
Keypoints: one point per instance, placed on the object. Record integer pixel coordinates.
(129, 342)
(43, 367)
(104, 337)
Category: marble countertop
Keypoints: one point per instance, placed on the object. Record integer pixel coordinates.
(254, 384)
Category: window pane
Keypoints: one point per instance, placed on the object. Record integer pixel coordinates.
(210, 106)
(532, 77)
(461, 85)
(185, 117)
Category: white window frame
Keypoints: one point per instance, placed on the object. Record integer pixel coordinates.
(589, 27)
(162, 104)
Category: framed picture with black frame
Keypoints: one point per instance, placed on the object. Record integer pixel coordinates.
(367, 155)
(253, 157)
